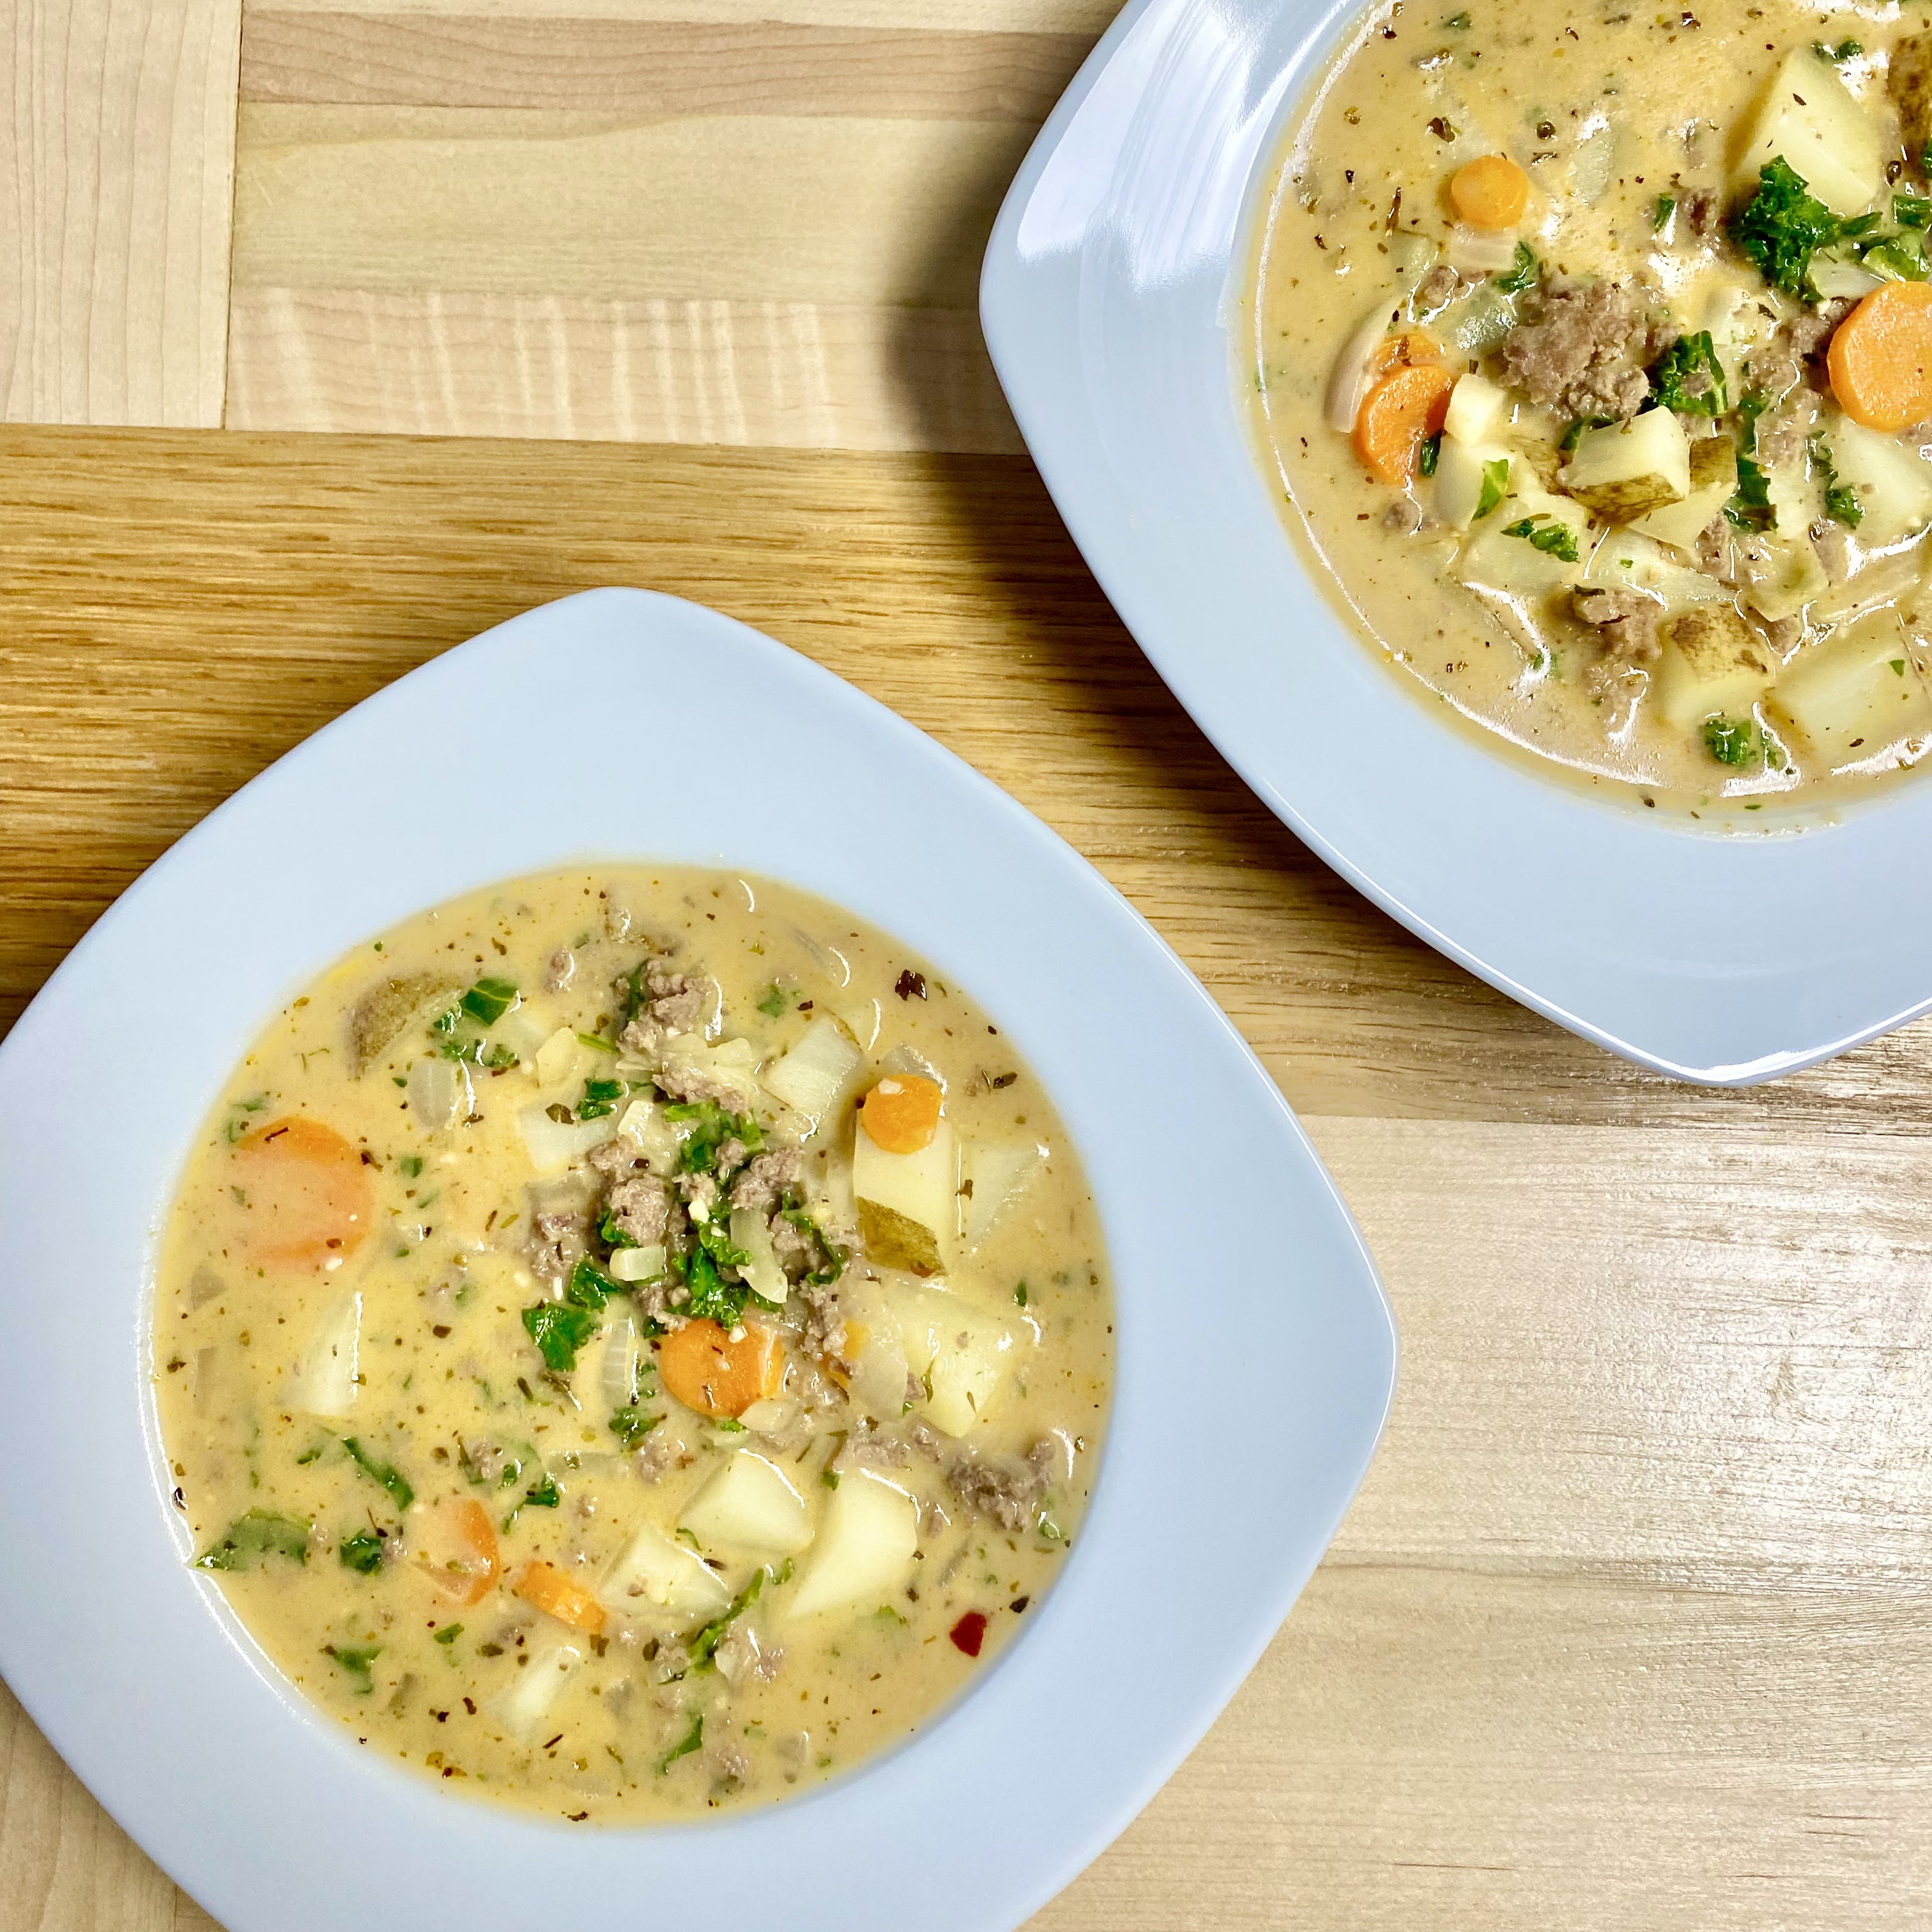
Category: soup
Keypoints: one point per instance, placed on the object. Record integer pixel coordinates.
(1594, 348)
(632, 1343)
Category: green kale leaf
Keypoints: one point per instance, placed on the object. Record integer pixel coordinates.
(251, 1538)
(560, 1329)
(386, 1474)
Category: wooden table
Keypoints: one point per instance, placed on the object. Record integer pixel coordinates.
(1629, 1628)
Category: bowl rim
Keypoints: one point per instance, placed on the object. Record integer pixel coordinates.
(1110, 292)
(224, 1775)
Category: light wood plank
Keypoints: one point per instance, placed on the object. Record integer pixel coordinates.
(116, 174)
(1088, 18)
(766, 208)
(249, 588)
(380, 58)
(794, 375)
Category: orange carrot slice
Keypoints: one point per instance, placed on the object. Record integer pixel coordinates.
(1491, 192)
(455, 1547)
(901, 1114)
(546, 1586)
(701, 1365)
(1880, 359)
(1400, 409)
(307, 1198)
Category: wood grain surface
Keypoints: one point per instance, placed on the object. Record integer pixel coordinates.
(1629, 1627)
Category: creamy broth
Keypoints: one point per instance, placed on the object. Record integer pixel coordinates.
(1636, 512)
(631, 1342)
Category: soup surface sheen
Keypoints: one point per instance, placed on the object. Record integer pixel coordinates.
(1594, 346)
(633, 1342)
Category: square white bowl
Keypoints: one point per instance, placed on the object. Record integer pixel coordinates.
(1255, 1353)
(1112, 281)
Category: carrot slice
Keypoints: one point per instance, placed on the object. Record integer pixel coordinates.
(456, 1548)
(1491, 192)
(306, 1196)
(901, 1113)
(1401, 408)
(701, 1365)
(546, 1586)
(1880, 359)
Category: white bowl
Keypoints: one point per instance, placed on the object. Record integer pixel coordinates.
(1256, 1355)
(1108, 297)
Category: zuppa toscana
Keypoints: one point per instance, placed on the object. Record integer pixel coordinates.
(631, 1342)
(1593, 349)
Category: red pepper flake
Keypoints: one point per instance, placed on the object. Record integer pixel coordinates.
(970, 1632)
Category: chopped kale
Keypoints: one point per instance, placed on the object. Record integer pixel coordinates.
(408, 1165)
(355, 1661)
(1841, 500)
(1523, 273)
(251, 1538)
(772, 1001)
(685, 1746)
(1751, 405)
(631, 1424)
(489, 1000)
(711, 1127)
(1911, 210)
(636, 995)
(1495, 486)
(600, 1097)
(589, 1286)
(386, 1474)
(711, 1298)
(1751, 508)
(611, 1234)
(1020, 1294)
(1783, 226)
(1900, 257)
(703, 1647)
(833, 1266)
(1659, 215)
(1688, 378)
(1430, 453)
(447, 1634)
(1846, 50)
(560, 1329)
(1731, 741)
(545, 1495)
(362, 1552)
(1550, 535)
(1574, 435)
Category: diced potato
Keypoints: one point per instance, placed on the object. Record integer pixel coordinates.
(875, 1372)
(998, 1172)
(818, 1071)
(526, 1030)
(1809, 118)
(1467, 473)
(1512, 566)
(1854, 695)
(749, 1508)
(865, 1549)
(1778, 576)
(534, 1689)
(1624, 469)
(554, 1145)
(1892, 480)
(1477, 408)
(324, 1381)
(1639, 563)
(562, 1061)
(1712, 661)
(1683, 523)
(381, 1014)
(961, 1354)
(908, 1202)
(656, 1578)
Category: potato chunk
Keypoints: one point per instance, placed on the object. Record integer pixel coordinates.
(749, 1508)
(1809, 118)
(1499, 560)
(1624, 469)
(908, 1203)
(864, 1552)
(1891, 480)
(1854, 695)
(1712, 662)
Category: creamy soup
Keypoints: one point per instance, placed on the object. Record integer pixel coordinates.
(632, 1342)
(1594, 347)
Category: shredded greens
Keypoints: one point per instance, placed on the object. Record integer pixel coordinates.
(1550, 535)
(1841, 500)
(251, 1538)
(386, 1474)
(1688, 378)
(1783, 226)
(362, 1552)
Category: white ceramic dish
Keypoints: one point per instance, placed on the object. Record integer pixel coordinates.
(1227, 1470)
(1108, 298)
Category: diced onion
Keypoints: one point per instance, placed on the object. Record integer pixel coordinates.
(817, 1071)
(1349, 382)
(558, 1057)
(1000, 1173)
(534, 1689)
(1481, 251)
(619, 1376)
(638, 1264)
(324, 1381)
(762, 1274)
(438, 1093)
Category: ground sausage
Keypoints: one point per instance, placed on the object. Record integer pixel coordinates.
(766, 1178)
(640, 1208)
(1006, 1488)
(1579, 352)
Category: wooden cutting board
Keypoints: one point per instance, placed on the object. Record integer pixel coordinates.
(330, 336)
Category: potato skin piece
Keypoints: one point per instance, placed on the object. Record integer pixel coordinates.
(386, 1008)
(1715, 636)
(1909, 77)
